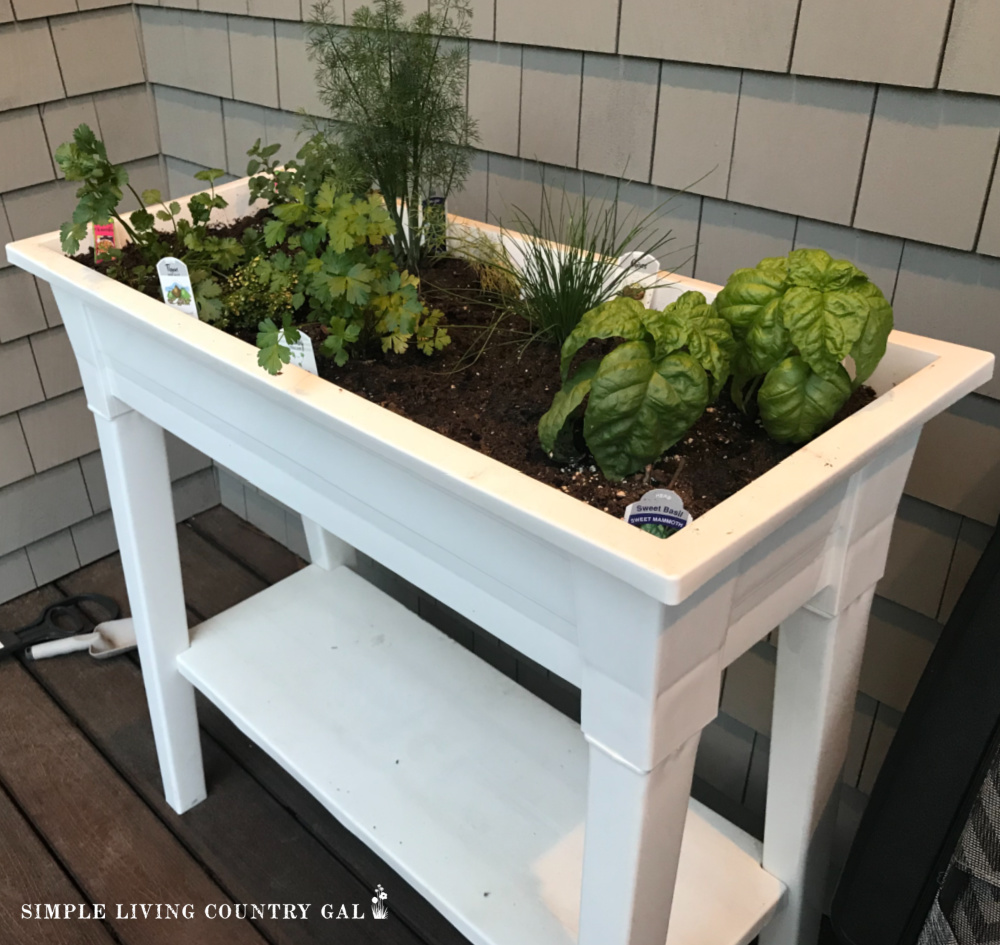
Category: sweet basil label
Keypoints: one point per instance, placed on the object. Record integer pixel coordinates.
(659, 512)
(175, 283)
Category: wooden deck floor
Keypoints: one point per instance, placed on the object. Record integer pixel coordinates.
(82, 815)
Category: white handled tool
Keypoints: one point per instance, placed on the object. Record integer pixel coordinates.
(106, 640)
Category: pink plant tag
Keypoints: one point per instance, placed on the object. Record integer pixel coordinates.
(104, 239)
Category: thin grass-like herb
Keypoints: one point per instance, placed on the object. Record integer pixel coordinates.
(571, 257)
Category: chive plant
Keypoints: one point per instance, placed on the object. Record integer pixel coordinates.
(571, 257)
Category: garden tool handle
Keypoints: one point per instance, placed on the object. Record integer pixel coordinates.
(9, 643)
(41, 651)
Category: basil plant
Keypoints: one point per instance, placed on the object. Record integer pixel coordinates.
(642, 396)
(796, 319)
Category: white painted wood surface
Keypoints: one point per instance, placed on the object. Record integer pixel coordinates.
(644, 626)
(819, 661)
(135, 462)
(327, 550)
(468, 785)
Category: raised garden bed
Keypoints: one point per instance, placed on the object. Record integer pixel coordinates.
(492, 790)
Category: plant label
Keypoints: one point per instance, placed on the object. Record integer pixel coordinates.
(175, 283)
(104, 239)
(659, 512)
(435, 226)
(643, 276)
(640, 263)
(302, 353)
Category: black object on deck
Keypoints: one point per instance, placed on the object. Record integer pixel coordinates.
(931, 777)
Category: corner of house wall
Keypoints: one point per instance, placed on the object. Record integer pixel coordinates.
(55, 519)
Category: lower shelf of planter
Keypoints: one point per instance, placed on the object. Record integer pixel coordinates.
(470, 787)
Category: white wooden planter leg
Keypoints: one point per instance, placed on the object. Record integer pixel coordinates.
(326, 550)
(635, 824)
(819, 662)
(650, 685)
(135, 461)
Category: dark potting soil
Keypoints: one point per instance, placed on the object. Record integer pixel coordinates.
(491, 385)
(493, 402)
(131, 259)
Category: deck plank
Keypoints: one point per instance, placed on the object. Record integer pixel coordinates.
(222, 570)
(268, 559)
(104, 576)
(28, 875)
(26, 609)
(213, 581)
(113, 845)
(253, 845)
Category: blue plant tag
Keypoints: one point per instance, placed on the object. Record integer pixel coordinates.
(659, 512)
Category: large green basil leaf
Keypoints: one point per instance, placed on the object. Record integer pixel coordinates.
(688, 379)
(774, 262)
(618, 318)
(870, 346)
(564, 403)
(691, 322)
(671, 327)
(712, 345)
(796, 403)
(713, 350)
(689, 304)
(639, 407)
(816, 269)
(823, 325)
(747, 291)
(767, 341)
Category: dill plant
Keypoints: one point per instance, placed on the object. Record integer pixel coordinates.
(396, 90)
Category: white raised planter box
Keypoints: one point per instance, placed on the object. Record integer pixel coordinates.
(494, 792)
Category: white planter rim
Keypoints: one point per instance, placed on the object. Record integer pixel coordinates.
(918, 378)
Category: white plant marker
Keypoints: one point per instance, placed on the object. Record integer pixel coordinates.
(661, 508)
(175, 283)
(642, 263)
(645, 272)
(302, 353)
